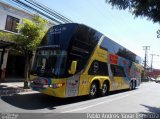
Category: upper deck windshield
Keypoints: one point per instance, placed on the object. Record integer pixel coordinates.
(51, 57)
(63, 44)
(50, 63)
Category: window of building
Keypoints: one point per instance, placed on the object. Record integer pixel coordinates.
(117, 71)
(11, 23)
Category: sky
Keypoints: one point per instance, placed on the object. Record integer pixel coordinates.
(120, 26)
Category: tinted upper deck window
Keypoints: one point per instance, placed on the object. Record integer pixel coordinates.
(115, 48)
(60, 36)
(83, 44)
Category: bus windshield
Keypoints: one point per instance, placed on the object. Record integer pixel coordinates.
(50, 63)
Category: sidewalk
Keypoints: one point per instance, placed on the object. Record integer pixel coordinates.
(11, 88)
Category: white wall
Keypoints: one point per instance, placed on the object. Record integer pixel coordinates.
(6, 9)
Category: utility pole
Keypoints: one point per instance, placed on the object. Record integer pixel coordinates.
(152, 55)
(146, 48)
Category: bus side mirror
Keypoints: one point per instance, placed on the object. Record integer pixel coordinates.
(72, 70)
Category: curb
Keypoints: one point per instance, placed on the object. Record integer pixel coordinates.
(8, 89)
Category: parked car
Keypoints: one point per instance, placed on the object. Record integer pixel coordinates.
(152, 79)
(158, 79)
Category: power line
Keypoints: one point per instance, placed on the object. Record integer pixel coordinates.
(51, 10)
(29, 7)
(18, 5)
(44, 11)
(41, 8)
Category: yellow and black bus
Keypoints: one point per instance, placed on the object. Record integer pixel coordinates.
(75, 60)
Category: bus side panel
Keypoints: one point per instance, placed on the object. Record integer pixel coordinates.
(131, 71)
(72, 86)
(86, 79)
(84, 85)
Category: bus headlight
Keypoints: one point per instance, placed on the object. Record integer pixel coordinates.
(45, 86)
(57, 85)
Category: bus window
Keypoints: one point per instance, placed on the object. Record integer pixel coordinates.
(50, 63)
(117, 71)
(98, 68)
(119, 50)
(83, 43)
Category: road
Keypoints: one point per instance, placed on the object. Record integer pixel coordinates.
(145, 99)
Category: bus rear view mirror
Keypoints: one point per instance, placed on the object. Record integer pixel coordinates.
(73, 67)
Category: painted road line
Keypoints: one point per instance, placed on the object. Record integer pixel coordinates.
(107, 101)
(102, 102)
(97, 99)
(102, 98)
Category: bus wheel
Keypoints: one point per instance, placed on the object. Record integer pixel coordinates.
(93, 90)
(131, 85)
(105, 89)
(134, 85)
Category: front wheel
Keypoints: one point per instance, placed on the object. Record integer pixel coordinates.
(93, 90)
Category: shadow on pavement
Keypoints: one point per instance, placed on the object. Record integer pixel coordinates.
(40, 101)
(152, 109)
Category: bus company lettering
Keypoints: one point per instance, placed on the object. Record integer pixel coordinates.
(57, 30)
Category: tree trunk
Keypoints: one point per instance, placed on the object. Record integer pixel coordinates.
(26, 67)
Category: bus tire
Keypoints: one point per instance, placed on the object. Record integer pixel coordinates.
(134, 85)
(105, 89)
(93, 90)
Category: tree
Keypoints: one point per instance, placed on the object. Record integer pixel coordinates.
(7, 36)
(143, 8)
(31, 33)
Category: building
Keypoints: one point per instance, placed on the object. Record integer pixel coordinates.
(154, 73)
(12, 66)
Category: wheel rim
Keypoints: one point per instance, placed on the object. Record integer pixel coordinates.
(93, 90)
(104, 89)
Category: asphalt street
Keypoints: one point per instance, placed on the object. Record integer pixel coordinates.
(145, 99)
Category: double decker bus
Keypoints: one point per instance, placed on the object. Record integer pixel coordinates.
(75, 60)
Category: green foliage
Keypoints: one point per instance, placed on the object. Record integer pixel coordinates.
(143, 8)
(31, 33)
(4, 36)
